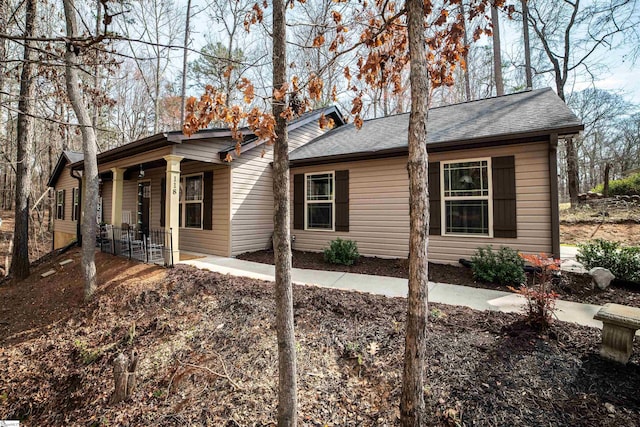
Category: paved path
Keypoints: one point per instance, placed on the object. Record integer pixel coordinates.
(476, 298)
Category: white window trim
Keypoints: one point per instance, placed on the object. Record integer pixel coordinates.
(75, 197)
(184, 203)
(333, 202)
(58, 205)
(489, 197)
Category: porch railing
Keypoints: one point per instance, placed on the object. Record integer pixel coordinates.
(153, 247)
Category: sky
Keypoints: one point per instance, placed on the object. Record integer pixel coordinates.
(615, 71)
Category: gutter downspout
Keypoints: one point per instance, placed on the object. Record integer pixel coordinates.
(553, 195)
(78, 225)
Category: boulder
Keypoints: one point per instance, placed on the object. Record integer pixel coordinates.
(601, 277)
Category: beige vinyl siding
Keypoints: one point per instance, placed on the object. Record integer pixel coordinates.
(67, 183)
(252, 193)
(106, 201)
(130, 200)
(204, 150)
(379, 206)
(64, 231)
(215, 241)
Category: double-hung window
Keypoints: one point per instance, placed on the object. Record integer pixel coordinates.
(75, 199)
(319, 201)
(191, 192)
(467, 197)
(60, 204)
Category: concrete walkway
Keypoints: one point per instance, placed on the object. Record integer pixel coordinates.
(476, 298)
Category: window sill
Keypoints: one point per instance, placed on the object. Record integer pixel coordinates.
(330, 230)
(481, 236)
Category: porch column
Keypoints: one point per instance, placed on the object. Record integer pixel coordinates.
(172, 206)
(116, 196)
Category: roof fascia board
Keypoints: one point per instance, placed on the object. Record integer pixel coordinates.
(147, 144)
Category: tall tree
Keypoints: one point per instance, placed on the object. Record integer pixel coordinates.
(20, 254)
(497, 51)
(89, 148)
(287, 397)
(219, 67)
(467, 80)
(570, 34)
(183, 86)
(412, 406)
(155, 23)
(527, 44)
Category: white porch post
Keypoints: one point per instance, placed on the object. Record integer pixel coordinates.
(116, 196)
(172, 206)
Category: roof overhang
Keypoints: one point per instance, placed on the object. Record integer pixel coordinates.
(143, 145)
(249, 144)
(453, 145)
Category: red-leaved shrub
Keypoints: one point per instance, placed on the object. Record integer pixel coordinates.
(541, 299)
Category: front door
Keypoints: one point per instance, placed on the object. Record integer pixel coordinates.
(144, 206)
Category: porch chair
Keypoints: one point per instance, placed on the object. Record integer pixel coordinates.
(155, 251)
(106, 238)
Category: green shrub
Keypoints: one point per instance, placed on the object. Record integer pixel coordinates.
(503, 266)
(622, 261)
(622, 187)
(343, 252)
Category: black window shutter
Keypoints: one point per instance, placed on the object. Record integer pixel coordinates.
(163, 199)
(434, 199)
(207, 201)
(64, 202)
(342, 201)
(298, 201)
(503, 171)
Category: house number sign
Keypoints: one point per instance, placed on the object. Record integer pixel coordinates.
(174, 187)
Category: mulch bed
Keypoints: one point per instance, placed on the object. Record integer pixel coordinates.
(208, 356)
(573, 287)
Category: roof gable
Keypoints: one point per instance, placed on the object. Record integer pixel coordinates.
(66, 158)
(537, 111)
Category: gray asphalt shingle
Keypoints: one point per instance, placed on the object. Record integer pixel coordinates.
(519, 113)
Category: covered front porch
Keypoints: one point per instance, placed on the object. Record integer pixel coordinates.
(154, 204)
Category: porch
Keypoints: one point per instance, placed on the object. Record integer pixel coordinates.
(146, 246)
(162, 203)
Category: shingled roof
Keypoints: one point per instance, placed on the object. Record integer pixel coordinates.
(524, 114)
(66, 158)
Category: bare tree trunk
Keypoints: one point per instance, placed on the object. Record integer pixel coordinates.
(467, 82)
(183, 89)
(20, 254)
(89, 148)
(124, 377)
(497, 52)
(96, 69)
(412, 405)
(607, 169)
(572, 172)
(527, 46)
(49, 200)
(287, 398)
(3, 70)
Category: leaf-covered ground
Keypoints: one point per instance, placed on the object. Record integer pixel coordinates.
(208, 356)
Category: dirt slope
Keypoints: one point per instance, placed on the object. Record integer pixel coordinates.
(208, 357)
